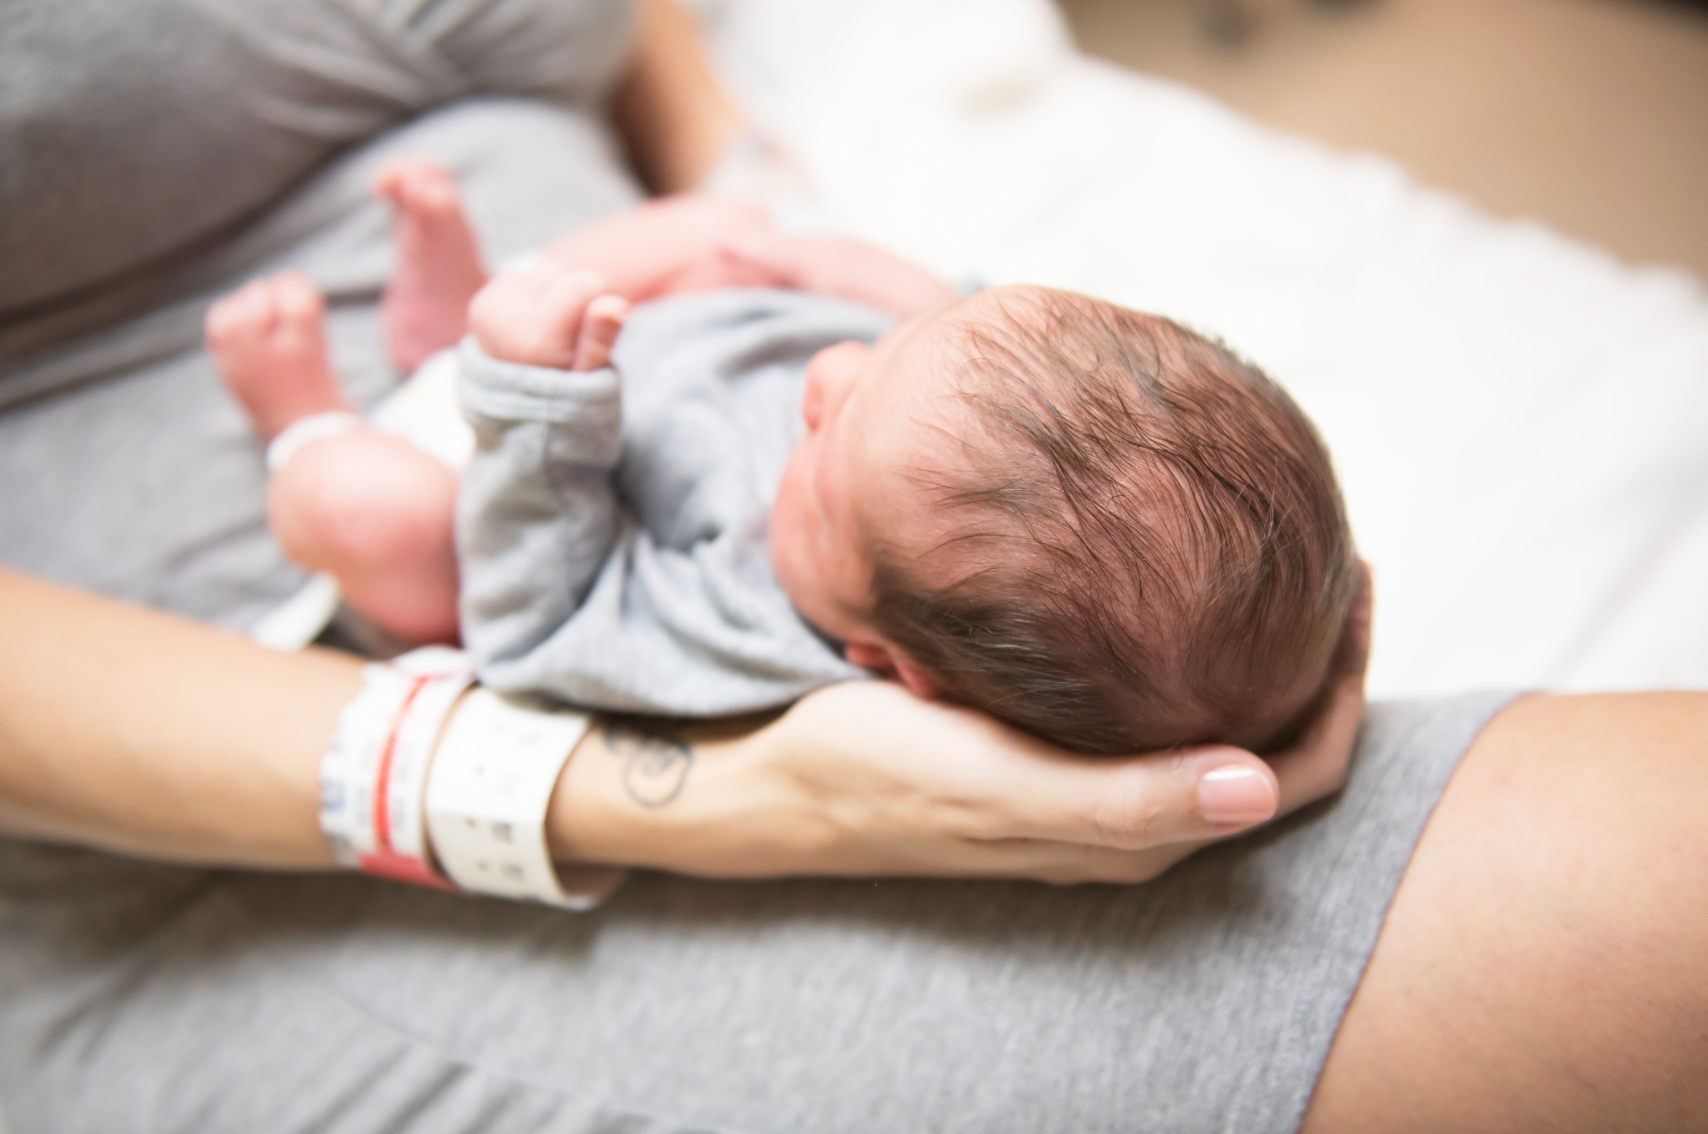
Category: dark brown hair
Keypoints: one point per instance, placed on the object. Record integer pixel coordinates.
(1149, 547)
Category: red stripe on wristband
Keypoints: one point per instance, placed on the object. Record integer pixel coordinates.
(388, 863)
(382, 778)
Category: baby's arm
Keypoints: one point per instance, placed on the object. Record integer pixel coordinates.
(836, 265)
(667, 246)
(695, 243)
(536, 514)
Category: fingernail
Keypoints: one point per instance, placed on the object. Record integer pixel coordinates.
(1236, 794)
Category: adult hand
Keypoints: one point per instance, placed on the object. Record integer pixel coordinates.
(864, 779)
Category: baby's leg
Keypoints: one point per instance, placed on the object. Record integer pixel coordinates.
(370, 508)
(376, 513)
(438, 270)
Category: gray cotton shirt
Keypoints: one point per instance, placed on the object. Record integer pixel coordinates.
(139, 996)
(612, 524)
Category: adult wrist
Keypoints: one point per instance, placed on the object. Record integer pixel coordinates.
(374, 773)
(429, 781)
(589, 819)
(569, 813)
(678, 801)
(488, 797)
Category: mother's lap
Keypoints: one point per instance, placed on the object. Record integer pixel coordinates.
(150, 486)
(1205, 1000)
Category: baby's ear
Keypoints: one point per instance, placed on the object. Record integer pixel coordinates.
(868, 655)
(887, 661)
(918, 682)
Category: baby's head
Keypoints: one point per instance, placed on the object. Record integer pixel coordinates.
(1091, 522)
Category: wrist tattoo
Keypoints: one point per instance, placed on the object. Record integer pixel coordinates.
(655, 763)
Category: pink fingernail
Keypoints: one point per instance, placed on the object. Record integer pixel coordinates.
(1236, 794)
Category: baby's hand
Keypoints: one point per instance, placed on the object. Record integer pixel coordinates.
(548, 315)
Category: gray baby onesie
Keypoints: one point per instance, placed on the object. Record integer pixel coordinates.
(612, 524)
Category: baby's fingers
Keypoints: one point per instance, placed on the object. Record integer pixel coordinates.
(600, 324)
(534, 315)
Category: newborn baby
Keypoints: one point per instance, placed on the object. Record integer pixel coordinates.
(1085, 520)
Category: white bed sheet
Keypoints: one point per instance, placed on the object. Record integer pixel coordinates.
(1519, 420)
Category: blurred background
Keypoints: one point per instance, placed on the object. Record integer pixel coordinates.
(1452, 228)
(1591, 115)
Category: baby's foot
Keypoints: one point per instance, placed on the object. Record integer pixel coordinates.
(548, 315)
(438, 262)
(268, 341)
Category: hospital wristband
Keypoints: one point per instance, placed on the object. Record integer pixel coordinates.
(488, 792)
(374, 773)
(348, 768)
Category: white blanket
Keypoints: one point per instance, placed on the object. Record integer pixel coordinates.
(1520, 421)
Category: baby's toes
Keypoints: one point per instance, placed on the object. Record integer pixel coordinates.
(298, 311)
(418, 187)
(433, 195)
(243, 318)
(397, 172)
(296, 299)
(220, 323)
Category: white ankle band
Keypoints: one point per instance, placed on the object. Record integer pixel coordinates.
(304, 431)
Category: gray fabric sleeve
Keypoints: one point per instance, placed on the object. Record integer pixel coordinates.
(537, 514)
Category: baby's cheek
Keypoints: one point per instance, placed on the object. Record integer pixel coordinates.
(785, 535)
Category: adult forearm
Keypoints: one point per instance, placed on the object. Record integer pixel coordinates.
(144, 733)
(140, 732)
(674, 118)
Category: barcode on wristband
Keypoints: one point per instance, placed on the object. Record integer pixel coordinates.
(487, 798)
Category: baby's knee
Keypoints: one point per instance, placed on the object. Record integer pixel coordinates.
(361, 498)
